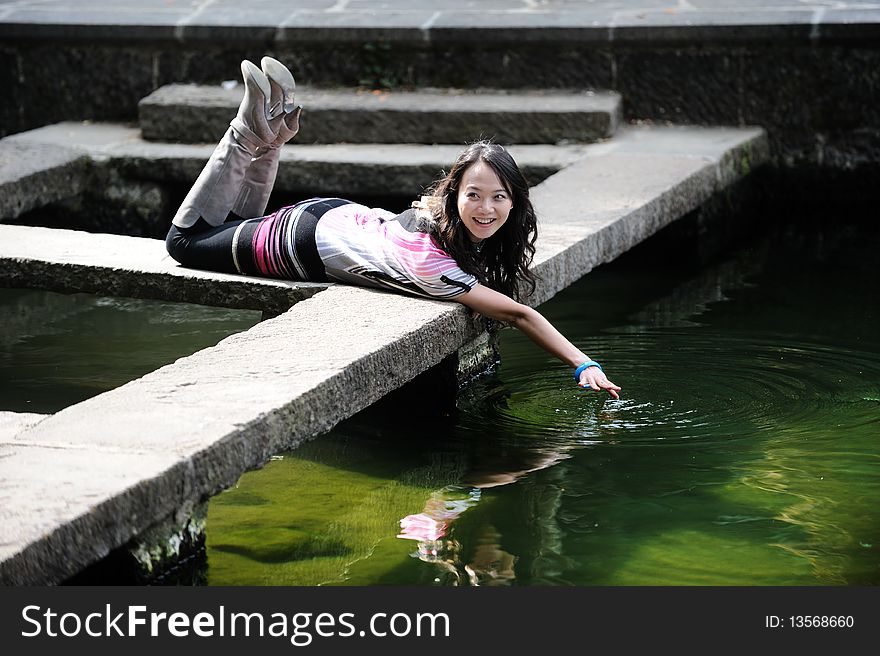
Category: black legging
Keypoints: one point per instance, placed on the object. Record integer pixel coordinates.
(203, 246)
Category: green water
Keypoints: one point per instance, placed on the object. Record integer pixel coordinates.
(745, 449)
(60, 349)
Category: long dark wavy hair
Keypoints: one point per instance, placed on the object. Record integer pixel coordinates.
(503, 260)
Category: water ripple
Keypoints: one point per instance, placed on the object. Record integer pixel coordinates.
(717, 386)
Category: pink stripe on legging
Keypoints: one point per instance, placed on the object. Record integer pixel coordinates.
(262, 246)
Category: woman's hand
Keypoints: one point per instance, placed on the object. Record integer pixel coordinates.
(594, 378)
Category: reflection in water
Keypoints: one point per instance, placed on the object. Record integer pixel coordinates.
(440, 511)
(489, 563)
(430, 527)
(744, 450)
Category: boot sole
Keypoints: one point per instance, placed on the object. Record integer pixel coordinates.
(278, 73)
(250, 73)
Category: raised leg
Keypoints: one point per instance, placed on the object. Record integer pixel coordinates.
(284, 120)
(220, 183)
(260, 177)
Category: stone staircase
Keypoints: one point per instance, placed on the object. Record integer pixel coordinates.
(353, 143)
(103, 473)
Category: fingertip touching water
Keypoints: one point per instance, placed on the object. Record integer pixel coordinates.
(471, 239)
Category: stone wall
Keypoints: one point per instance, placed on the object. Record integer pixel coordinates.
(817, 99)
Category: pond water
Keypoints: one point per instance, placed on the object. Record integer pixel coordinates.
(60, 349)
(745, 449)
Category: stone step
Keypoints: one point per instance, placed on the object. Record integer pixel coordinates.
(200, 114)
(337, 169)
(103, 471)
(33, 174)
(345, 170)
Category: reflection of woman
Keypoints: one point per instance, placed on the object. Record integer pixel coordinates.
(489, 564)
(471, 240)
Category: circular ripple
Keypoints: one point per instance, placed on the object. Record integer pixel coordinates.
(691, 385)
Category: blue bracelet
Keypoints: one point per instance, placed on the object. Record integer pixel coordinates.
(585, 365)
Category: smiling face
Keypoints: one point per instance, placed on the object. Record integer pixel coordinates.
(483, 202)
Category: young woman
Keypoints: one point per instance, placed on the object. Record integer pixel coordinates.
(470, 240)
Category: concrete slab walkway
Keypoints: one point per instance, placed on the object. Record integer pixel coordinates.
(78, 483)
(72, 261)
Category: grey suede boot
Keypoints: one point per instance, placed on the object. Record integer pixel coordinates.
(284, 119)
(219, 185)
(260, 177)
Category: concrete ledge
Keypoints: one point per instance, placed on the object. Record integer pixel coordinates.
(73, 261)
(34, 174)
(633, 186)
(92, 476)
(187, 113)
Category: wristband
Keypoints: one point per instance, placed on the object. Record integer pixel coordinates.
(585, 365)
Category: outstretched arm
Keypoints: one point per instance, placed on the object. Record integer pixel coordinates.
(497, 306)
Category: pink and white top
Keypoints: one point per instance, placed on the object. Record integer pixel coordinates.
(374, 247)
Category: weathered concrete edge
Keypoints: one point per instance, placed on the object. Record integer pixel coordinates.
(236, 292)
(14, 422)
(69, 548)
(71, 261)
(25, 185)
